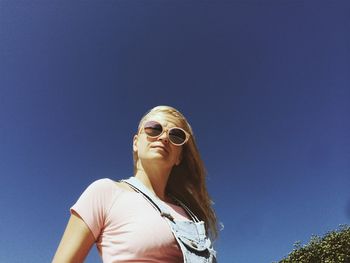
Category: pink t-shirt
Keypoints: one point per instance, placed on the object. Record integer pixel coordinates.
(127, 228)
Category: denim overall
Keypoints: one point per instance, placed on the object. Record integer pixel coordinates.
(190, 235)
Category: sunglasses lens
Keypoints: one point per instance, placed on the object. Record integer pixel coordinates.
(177, 136)
(153, 128)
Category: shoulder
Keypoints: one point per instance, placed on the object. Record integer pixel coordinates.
(102, 184)
(104, 187)
(107, 185)
(100, 193)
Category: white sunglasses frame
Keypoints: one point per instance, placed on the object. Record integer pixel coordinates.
(167, 131)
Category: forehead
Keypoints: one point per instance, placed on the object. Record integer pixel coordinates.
(166, 120)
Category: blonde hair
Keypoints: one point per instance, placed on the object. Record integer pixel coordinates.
(187, 180)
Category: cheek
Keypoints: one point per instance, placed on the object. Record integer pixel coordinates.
(143, 144)
(177, 153)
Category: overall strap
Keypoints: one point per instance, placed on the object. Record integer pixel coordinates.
(189, 212)
(139, 187)
(189, 237)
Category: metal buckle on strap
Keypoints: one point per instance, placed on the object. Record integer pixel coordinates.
(169, 216)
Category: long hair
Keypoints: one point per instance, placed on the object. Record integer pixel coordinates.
(187, 181)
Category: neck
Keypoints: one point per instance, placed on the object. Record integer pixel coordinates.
(154, 179)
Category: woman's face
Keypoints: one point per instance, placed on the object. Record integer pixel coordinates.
(159, 151)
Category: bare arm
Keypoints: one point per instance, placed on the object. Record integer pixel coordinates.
(76, 242)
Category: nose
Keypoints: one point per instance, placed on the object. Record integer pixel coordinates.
(164, 137)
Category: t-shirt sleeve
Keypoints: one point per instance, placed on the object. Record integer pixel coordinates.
(94, 203)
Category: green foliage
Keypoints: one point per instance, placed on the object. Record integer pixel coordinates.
(333, 247)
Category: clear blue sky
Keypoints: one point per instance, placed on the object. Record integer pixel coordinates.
(265, 85)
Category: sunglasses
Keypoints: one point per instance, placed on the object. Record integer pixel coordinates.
(177, 136)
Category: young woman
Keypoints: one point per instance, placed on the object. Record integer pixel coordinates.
(161, 214)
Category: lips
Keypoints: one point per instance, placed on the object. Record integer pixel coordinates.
(160, 146)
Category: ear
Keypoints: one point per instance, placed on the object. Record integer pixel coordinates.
(134, 143)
